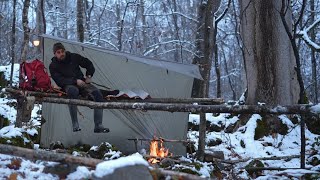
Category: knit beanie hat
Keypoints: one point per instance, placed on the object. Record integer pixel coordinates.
(57, 46)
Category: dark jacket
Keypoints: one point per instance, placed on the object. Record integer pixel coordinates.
(67, 71)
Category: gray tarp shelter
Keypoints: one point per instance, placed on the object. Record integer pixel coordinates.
(161, 79)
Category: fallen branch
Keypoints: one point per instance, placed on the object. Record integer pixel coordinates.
(271, 168)
(263, 158)
(48, 156)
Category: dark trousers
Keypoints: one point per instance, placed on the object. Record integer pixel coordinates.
(94, 94)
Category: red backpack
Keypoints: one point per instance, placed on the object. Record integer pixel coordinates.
(34, 77)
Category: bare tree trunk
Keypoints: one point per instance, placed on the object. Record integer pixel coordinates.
(313, 55)
(99, 22)
(285, 14)
(64, 10)
(270, 62)
(234, 95)
(120, 22)
(216, 58)
(88, 18)
(144, 26)
(203, 58)
(272, 57)
(291, 34)
(13, 40)
(134, 30)
(39, 20)
(39, 25)
(119, 25)
(178, 45)
(215, 46)
(80, 28)
(26, 29)
(43, 17)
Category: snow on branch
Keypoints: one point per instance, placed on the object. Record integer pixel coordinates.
(304, 35)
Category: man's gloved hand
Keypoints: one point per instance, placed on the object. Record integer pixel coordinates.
(88, 79)
(80, 83)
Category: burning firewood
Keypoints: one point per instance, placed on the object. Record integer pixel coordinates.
(157, 151)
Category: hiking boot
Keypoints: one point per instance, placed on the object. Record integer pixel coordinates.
(101, 130)
(76, 129)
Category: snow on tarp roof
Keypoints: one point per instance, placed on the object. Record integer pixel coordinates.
(186, 69)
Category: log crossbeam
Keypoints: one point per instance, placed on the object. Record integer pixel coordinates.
(184, 107)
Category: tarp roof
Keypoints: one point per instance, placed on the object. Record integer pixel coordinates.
(186, 69)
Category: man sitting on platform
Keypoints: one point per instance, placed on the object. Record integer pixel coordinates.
(65, 71)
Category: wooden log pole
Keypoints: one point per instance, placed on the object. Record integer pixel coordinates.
(17, 92)
(175, 107)
(47, 155)
(212, 101)
(24, 108)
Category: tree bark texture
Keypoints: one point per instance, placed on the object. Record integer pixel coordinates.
(204, 47)
(26, 29)
(80, 27)
(203, 58)
(43, 16)
(39, 26)
(13, 40)
(88, 18)
(178, 107)
(119, 26)
(270, 62)
(61, 94)
(47, 155)
(313, 55)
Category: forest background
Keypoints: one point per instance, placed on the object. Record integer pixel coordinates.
(172, 30)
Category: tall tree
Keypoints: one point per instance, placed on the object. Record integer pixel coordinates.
(178, 45)
(13, 39)
(43, 16)
(203, 58)
(26, 29)
(270, 61)
(39, 23)
(217, 19)
(119, 26)
(88, 18)
(80, 27)
(144, 26)
(313, 54)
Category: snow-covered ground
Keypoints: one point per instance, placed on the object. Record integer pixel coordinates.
(235, 146)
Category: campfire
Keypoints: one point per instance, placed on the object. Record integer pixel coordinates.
(156, 152)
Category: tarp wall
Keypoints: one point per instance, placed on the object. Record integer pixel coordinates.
(122, 71)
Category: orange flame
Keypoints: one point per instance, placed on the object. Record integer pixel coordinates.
(156, 151)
